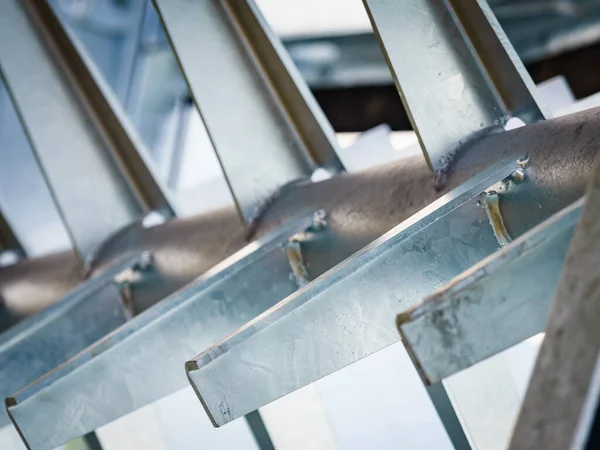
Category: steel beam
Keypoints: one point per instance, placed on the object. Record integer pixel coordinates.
(142, 361)
(34, 346)
(90, 156)
(561, 404)
(256, 107)
(456, 71)
(494, 305)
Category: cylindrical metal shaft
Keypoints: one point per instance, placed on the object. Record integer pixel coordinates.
(360, 206)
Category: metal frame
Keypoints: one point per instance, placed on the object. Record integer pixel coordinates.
(362, 192)
(294, 316)
(37, 345)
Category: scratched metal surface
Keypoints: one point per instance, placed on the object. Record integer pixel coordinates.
(561, 404)
(494, 305)
(36, 345)
(361, 206)
(142, 361)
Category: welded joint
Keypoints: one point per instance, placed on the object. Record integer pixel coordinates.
(445, 163)
(259, 212)
(126, 279)
(490, 201)
(149, 220)
(293, 248)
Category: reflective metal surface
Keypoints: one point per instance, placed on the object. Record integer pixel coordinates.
(257, 109)
(561, 404)
(494, 305)
(142, 361)
(458, 75)
(84, 145)
(34, 346)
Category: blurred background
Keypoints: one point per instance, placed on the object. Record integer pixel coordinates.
(332, 43)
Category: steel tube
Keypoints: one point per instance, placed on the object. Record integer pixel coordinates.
(89, 154)
(361, 207)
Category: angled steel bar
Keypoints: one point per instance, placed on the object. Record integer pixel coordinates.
(113, 376)
(344, 315)
(456, 71)
(91, 158)
(263, 121)
(38, 344)
(561, 405)
(494, 305)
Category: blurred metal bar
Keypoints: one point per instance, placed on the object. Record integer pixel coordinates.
(561, 403)
(448, 416)
(259, 431)
(37, 345)
(8, 239)
(456, 71)
(494, 305)
(142, 361)
(93, 162)
(257, 109)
